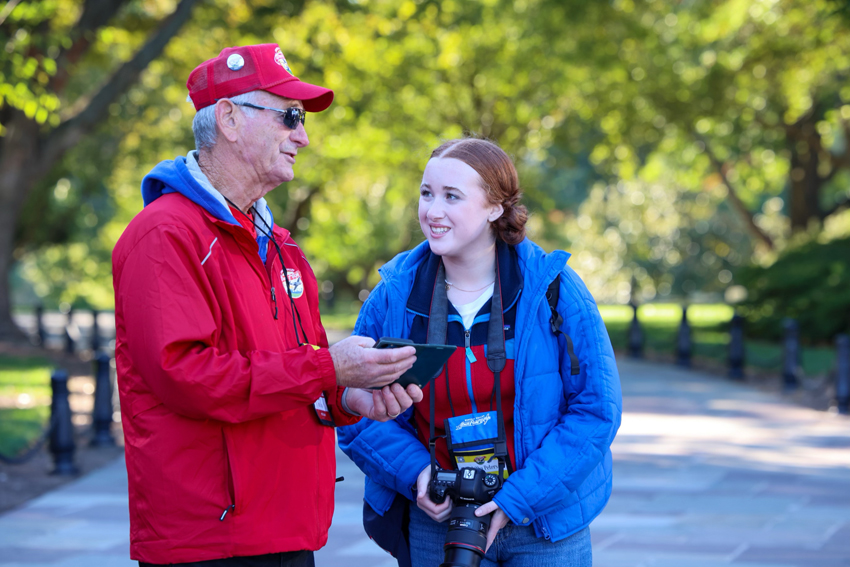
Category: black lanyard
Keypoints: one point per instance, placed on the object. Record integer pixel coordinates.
(496, 358)
(270, 235)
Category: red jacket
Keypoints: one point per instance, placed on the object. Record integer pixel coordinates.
(225, 454)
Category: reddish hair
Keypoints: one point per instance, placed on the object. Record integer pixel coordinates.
(499, 180)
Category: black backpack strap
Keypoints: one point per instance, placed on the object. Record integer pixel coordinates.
(555, 322)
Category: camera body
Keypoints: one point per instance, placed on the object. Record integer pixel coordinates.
(466, 485)
(468, 488)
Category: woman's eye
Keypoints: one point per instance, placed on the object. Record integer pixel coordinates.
(424, 192)
(451, 196)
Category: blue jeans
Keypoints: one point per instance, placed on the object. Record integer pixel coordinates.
(515, 546)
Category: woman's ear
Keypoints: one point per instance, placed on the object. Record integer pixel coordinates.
(496, 213)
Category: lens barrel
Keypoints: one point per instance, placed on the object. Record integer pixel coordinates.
(466, 538)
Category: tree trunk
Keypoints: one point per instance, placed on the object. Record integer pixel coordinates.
(805, 182)
(18, 151)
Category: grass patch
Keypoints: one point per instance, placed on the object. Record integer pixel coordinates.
(20, 427)
(24, 376)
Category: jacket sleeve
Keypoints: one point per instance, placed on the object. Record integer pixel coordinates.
(340, 416)
(582, 436)
(389, 453)
(169, 313)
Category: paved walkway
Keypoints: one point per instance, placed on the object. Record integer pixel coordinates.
(707, 473)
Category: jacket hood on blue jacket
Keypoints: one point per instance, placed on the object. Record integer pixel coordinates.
(540, 267)
(173, 176)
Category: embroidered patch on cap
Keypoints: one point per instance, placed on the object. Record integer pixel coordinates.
(281, 60)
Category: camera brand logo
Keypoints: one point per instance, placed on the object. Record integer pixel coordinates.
(473, 421)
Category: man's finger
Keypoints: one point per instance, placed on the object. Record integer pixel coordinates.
(415, 393)
(390, 402)
(392, 355)
(378, 403)
(400, 394)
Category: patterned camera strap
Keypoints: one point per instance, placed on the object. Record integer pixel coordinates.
(496, 358)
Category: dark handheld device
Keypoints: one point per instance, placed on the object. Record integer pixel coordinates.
(467, 535)
(429, 361)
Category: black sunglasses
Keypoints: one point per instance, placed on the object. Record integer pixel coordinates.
(291, 116)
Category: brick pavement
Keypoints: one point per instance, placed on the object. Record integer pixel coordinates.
(707, 473)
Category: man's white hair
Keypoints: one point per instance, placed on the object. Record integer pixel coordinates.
(203, 126)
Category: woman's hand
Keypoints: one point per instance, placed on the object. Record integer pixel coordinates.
(497, 522)
(437, 512)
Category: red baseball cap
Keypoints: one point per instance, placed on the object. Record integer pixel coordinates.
(238, 70)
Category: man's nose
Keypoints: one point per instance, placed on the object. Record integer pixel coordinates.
(299, 136)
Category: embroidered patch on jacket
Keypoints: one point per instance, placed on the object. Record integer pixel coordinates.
(296, 285)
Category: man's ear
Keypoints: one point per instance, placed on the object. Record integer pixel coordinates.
(496, 213)
(228, 119)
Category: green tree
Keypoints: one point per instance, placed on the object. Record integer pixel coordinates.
(63, 64)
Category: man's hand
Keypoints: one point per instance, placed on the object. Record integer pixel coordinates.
(358, 365)
(384, 404)
(497, 522)
(437, 512)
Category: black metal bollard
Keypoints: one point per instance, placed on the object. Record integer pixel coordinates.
(790, 354)
(61, 429)
(736, 347)
(39, 324)
(69, 340)
(95, 331)
(102, 413)
(842, 374)
(635, 335)
(684, 346)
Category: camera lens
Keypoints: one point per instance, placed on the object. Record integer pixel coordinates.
(466, 538)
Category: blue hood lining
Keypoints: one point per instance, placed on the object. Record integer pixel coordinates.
(174, 176)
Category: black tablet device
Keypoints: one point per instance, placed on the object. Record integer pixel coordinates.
(429, 360)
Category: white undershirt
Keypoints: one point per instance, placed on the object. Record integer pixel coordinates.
(469, 310)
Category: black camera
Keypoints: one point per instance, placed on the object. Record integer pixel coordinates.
(467, 536)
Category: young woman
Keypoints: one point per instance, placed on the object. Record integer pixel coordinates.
(559, 390)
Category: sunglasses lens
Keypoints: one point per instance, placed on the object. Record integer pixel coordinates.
(293, 116)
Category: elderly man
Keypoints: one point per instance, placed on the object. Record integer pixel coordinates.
(229, 392)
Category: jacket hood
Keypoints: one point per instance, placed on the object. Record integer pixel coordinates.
(173, 176)
(538, 267)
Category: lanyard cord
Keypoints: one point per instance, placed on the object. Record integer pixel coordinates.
(270, 236)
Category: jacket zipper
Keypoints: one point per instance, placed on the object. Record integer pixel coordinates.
(230, 479)
(467, 352)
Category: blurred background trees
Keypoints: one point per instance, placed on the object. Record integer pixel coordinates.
(665, 145)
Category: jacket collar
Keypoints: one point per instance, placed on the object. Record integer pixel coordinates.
(510, 277)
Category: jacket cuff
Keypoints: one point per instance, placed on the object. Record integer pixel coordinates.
(326, 370)
(512, 503)
(341, 413)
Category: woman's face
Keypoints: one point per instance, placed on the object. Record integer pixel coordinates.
(454, 213)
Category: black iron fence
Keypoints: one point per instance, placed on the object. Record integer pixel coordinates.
(788, 362)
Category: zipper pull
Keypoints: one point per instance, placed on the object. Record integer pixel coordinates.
(274, 300)
(469, 355)
(226, 510)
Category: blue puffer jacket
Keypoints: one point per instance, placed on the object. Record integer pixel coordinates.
(563, 424)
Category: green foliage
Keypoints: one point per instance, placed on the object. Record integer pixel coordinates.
(810, 283)
(633, 124)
